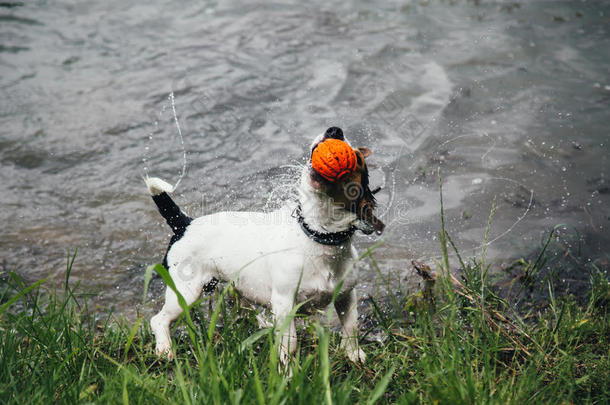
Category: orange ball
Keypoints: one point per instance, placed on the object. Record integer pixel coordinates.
(333, 159)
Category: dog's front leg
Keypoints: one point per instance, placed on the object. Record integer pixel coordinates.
(346, 308)
(281, 304)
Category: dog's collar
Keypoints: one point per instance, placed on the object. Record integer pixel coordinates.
(324, 238)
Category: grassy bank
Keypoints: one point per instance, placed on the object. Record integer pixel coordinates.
(455, 342)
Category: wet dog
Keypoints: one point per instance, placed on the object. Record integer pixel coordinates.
(300, 253)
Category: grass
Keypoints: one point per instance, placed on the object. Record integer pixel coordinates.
(455, 342)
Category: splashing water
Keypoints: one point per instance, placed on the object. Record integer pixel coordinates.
(146, 158)
(284, 187)
(173, 104)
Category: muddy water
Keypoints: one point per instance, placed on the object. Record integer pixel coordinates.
(509, 99)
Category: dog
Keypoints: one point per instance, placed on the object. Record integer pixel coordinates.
(298, 254)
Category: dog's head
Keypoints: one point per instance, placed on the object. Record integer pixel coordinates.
(352, 192)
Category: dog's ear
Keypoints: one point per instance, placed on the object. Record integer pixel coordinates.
(366, 152)
(359, 160)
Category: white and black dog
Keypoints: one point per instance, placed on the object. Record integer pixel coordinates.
(299, 253)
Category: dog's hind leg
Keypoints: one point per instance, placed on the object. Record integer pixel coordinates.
(189, 282)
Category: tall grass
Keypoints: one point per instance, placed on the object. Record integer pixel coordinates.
(456, 342)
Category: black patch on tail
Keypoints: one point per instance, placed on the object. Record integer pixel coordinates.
(175, 218)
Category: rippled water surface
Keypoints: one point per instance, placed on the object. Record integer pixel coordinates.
(510, 99)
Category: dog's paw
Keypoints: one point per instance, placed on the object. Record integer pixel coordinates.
(352, 350)
(356, 356)
(164, 350)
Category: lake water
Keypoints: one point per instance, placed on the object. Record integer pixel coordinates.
(511, 100)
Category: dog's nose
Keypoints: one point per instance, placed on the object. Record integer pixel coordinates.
(334, 133)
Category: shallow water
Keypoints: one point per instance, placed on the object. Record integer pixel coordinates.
(510, 99)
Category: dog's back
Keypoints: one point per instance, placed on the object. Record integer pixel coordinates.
(252, 249)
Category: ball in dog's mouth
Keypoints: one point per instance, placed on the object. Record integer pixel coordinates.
(334, 159)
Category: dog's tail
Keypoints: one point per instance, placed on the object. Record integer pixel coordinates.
(176, 219)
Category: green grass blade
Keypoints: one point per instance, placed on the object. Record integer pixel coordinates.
(324, 361)
(132, 334)
(147, 277)
(381, 387)
(181, 382)
(258, 386)
(125, 393)
(20, 294)
(255, 337)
